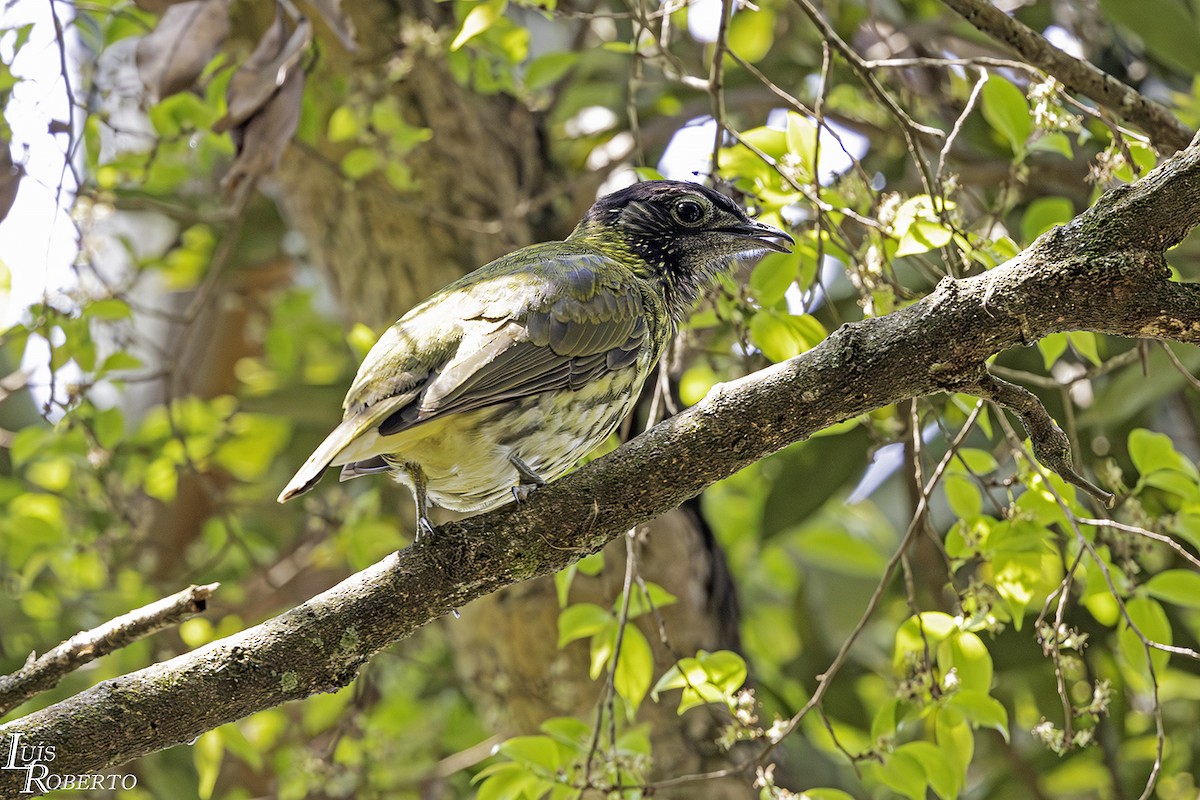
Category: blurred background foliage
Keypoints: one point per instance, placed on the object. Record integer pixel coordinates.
(1023, 642)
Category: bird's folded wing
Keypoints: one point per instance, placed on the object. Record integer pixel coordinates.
(566, 339)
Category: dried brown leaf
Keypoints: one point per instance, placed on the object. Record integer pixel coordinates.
(262, 140)
(188, 35)
(275, 58)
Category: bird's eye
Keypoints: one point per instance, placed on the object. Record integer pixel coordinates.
(689, 212)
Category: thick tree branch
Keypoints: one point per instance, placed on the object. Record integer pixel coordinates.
(1167, 132)
(1099, 273)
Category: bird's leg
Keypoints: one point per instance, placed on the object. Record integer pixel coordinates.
(528, 479)
(424, 526)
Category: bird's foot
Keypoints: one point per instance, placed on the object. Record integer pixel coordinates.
(521, 491)
(529, 479)
(424, 528)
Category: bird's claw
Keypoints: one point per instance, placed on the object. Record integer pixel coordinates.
(424, 528)
(521, 491)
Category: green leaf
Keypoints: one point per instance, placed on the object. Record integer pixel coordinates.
(939, 770)
(569, 731)
(902, 773)
(546, 70)
(398, 175)
(973, 461)
(1054, 142)
(648, 174)
(1043, 214)
(781, 336)
(1153, 623)
(562, 584)
(1180, 587)
(918, 227)
(930, 626)
(963, 496)
(725, 669)
(360, 161)
(751, 33)
(207, 754)
(537, 751)
(839, 550)
(635, 740)
(361, 339)
(802, 143)
(773, 275)
(770, 141)
(824, 794)
(581, 620)
(120, 361)
(635, 667)
(160, 480)
(1021, 577)
(109, 427)
(1052, 347)
(922, 236)
(478, 20)
(1152, 451)
(592, 564)
(1084, 343)
(640, 602)
(508, 781)
(110, 308)
(323, 711)
(603, 645)
(343, 125)
(1173, 482)
(708, 678)
(1167, 27)
(981, 710)
(1007, 111)
(954, 737)
(971, 661)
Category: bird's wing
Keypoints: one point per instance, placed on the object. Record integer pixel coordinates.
(574, 322)
(546, 317)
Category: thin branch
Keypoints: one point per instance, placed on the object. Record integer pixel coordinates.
(1161, 538)
(1181, 367)
(716, 85)
(41, 674)
(1050, 444)
(1167, 132)
(910, 128)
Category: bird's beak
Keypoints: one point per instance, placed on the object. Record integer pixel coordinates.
(763, 236)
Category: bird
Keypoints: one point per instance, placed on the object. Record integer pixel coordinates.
(503, 380)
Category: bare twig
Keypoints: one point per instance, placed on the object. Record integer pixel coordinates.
(1161, 538)
(41, 674)
(716, 84)
(910, 128)
(1167, 132)
(1050, 444)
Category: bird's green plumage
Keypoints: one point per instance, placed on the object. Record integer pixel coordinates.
(512, 373)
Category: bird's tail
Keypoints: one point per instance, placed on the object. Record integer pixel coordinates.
(321, 458)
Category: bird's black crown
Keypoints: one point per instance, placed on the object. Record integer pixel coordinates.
(684, 234)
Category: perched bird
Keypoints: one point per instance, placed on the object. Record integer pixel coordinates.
(504, 379)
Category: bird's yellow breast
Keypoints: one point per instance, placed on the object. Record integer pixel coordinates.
(466, 457)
